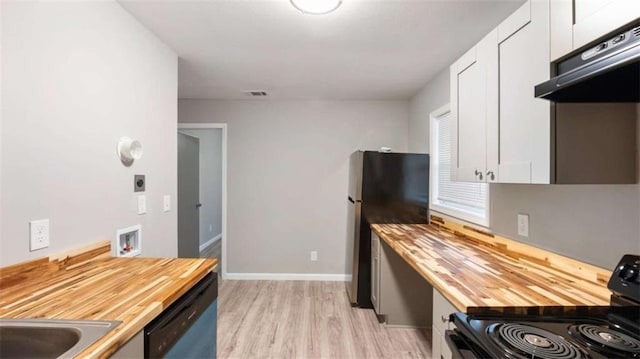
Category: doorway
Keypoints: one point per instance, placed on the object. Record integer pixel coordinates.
(202, 218)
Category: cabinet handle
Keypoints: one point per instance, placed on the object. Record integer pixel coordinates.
(477, 172)
(491, 175)
(444, 319)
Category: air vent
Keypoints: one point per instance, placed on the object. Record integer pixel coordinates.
(256, 93)
(636, 31)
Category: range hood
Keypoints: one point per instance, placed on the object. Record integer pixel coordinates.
(606, 72)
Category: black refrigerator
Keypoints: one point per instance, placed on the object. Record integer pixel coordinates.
(383, 188)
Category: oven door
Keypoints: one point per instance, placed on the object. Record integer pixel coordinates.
(460, 347)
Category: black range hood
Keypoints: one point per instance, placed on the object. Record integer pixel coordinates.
(606, 72)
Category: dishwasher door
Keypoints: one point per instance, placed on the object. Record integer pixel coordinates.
(187, 329)
(200, 340)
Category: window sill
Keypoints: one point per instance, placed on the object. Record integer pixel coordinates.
(461, 214)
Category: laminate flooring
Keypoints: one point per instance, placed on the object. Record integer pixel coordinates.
(306, 319)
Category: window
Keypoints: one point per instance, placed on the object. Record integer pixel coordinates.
(464, 200)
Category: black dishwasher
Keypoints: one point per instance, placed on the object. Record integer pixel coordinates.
(187, 328)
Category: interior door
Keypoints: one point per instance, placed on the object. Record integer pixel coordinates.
(188, 196)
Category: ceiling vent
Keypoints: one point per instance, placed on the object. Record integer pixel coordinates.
(256, 93)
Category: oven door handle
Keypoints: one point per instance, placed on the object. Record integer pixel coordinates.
(451, 337)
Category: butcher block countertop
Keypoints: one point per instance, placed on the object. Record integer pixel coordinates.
(90, 284)
(479, 272)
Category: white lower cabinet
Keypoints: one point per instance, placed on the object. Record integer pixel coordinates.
(375, 271)
(441, 311)
(134, 348)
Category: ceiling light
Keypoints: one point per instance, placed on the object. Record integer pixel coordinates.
(316, 7)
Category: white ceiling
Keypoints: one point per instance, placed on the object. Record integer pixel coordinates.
(367, 49)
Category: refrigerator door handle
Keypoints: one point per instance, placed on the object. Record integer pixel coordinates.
(352, 201)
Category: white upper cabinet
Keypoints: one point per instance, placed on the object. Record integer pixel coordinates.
(596, 18)
(469, 76)
(575, 23)
(524, 122)
(501, 132)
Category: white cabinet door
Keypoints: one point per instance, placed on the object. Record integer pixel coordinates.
(575, 23)
(441, 311)
(469, 112)
(468, 118)
(524, 121)
(134, 348)
(596, 18)
(437, 340)
(445, 352)
(375, 272)
(560, 28)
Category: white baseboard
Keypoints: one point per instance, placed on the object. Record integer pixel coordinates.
(288, 276)
(210, 242)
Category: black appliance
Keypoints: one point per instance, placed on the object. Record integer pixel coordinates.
(582, 333)
(187, 328)
(383, 188)
(608, 71)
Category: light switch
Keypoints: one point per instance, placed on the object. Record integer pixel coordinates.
(142, 204)
(166, 203)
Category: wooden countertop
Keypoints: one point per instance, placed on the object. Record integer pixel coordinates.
(480, 272)
(89, 284)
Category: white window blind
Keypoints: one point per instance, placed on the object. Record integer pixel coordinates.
(462, 196)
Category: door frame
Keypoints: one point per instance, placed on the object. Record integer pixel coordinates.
(223, 127)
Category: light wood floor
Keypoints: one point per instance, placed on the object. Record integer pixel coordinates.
(301, 319)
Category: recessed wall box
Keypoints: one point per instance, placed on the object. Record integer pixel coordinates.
(139, 183)
(129, 241)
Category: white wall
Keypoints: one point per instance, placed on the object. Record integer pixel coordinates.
(593, 223)
(287, 175)
(76, 76)
(429, 99)
(210, 181)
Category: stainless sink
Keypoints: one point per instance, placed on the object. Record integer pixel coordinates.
(49, 338)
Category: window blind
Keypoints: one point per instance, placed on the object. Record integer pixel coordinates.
(467, 195)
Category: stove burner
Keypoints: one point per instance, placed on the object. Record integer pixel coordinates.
(607, 338)
(537, 341)
(531, 342)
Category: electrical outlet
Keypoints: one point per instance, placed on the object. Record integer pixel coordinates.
(314, 256)
(38, 234)
(523, 225)
(142, 204)
(166, 203)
